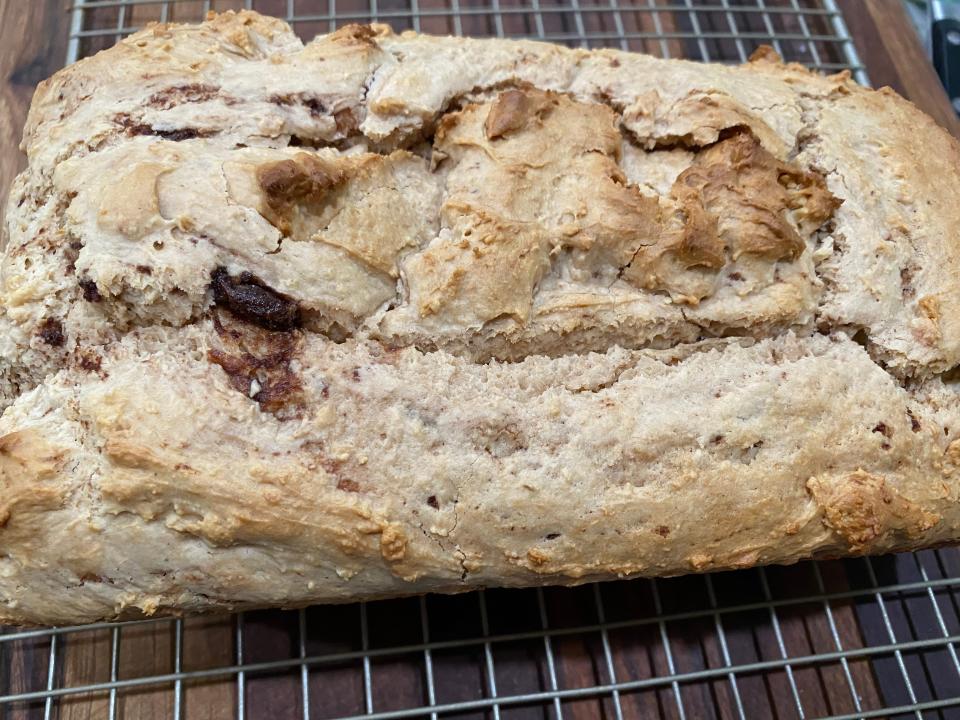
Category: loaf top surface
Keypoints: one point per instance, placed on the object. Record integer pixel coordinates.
(490, 198)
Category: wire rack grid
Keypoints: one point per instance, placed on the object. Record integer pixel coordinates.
(853, 639)
(842, 639)
(811, 32)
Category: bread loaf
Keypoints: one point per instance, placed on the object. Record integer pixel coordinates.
(388, 314)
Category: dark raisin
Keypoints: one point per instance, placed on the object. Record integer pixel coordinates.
(315, 106)
(247, 297)
(51, 332)
(178, 134)
(134, 128)
(90, 291)
(914, 423)
(89, 361)
(432, 502)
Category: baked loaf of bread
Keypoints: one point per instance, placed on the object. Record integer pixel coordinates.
(387, 314)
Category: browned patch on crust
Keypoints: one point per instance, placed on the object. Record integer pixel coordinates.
(735, 199)
(930, 305)
(290, 187)
(863, 509)
(257, 362)
(513, 109)
(537, 557)
(749, 191)
(765, 53)
(699, 242)
(356, 35)
(27, 461)
(393, 543)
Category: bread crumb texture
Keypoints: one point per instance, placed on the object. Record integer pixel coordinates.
(386, 314)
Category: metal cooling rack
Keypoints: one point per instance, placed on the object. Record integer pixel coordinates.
(811, 32)
(853, 639)
(843, 639)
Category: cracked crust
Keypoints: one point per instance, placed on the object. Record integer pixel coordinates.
(286, 324)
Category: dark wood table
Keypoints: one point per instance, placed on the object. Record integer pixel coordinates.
(33, 40)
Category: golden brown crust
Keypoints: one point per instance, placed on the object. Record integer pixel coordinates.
(290, 187)
(734, 199)
(31, 471)
(862, 508)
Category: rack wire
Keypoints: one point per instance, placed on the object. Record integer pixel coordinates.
(860, 638)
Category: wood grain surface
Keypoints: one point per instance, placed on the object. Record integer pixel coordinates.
(33, 45)
(895, 57)
(33, 39)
